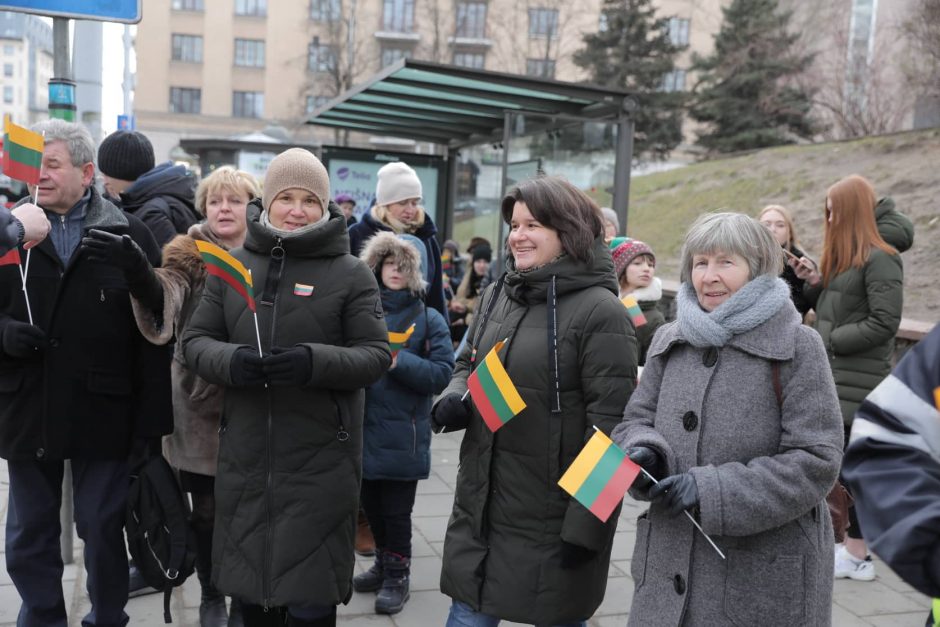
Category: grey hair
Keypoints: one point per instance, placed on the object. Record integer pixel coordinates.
(611, 216)
(78, 140)
(732, 233)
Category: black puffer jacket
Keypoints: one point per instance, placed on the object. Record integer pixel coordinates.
(502, 551)
(164, 199)
(290, 458)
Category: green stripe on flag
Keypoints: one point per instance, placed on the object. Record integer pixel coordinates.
(21, 154)
(227, 268)
(600, 476)
(493, 393)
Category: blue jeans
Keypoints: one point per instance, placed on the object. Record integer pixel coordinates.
(462, 615)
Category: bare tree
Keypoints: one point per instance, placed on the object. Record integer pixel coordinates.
(922, 33)
(553, 37)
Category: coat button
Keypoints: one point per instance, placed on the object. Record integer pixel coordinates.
(710, 357)
(690, 421)
(679, 584)
(54, 343)
(40, 453)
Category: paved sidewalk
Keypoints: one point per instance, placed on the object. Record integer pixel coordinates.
(885, 602)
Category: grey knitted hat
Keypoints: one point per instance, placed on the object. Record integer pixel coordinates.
(397, 182)
(125, 155)
(296, 168)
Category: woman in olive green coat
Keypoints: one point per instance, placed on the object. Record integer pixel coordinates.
(857, 293)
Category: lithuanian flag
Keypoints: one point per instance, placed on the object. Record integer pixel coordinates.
(633, 308)
(22, 152)
(397, 341)
(493, 392)
(599, 476)
(11, 258)
(936, 391)
(223, 265)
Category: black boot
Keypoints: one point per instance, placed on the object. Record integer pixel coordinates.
(212, 611)
(324, 621)
(235, 614)
(394, 593)
(371, 580)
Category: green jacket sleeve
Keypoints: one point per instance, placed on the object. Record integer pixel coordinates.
(885, 293)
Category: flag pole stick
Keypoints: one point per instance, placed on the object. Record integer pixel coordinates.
(24, 272)
(257, 332)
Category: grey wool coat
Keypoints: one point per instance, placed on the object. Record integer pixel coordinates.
(762, 470)
(290, 457)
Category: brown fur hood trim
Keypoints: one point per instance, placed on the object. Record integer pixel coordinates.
(383, 244)
(181, 253)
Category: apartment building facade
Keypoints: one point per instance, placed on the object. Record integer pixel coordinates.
(26, 62)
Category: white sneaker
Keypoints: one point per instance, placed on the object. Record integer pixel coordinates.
(848, 567)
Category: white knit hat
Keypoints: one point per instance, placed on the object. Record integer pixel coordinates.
(397, 182)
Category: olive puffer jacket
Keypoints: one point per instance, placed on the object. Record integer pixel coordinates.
(287, 486)
(503, 547)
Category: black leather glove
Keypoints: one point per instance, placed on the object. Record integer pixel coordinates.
(450, 413)
(288, 366)
(246, 368)
(574, 555)
(23, 340)
(649, 460)
(124, 252)
(143, 449)
(677, 494)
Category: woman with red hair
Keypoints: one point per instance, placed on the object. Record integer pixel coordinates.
(858, 295)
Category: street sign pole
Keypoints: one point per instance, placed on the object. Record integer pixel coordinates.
(61, 85)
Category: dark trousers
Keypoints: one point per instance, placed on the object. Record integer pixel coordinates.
(388, 506)
(33, 552)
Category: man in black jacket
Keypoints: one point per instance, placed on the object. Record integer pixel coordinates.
(79, 383)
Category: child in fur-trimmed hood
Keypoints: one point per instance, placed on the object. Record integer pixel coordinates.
(397, 429)
(635, 268)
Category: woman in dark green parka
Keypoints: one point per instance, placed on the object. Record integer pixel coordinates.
(290, 451)
(518, 547)
(858, 296)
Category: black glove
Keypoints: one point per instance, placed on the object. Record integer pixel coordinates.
(142, 449)
(677, 494)
(288, 366)
(124, 252)
(246, 368)
(23, 340)
(574, 555)
(450, 413)
(650, 461)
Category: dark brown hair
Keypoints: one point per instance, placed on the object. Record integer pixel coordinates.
(561, 206)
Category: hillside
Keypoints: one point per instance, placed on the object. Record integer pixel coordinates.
(905, 166)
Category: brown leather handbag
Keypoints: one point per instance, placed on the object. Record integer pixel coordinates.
(839, 501)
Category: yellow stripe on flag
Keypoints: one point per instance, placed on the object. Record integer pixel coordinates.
(936, 398)
(585, 462)
(400, 338)
(502, 380)
(22, 136)
(223, 255)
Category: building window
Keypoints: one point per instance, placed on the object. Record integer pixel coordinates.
(543, 23)
(247, 104)
(541, 68)
(185, 100)
(673, 81)
(326, 10)
(474, 60)
(187, 5)
(8, 94)
(251, 7)
(8, 50)
(8, 70)
(391, 55)
(320, 57)
(679, 32)
(398, 16)
(471, 19)
(603, 23)
(249, 52)
(187, 48)
(315, 102)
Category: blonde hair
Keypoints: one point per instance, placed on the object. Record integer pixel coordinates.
(383, 215)
(226, 177)
(787, 218)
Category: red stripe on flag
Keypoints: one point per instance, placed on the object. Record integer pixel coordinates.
(11, 258)
(20, 171)
(236, 285)
(480, 399)
(607, 501)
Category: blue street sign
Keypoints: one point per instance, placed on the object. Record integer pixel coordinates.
(101, 10)
(126, 123)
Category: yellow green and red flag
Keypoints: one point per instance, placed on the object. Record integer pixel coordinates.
(633, 308)
(936, 397)
(11, 258)
(599, 476)
(397, 341)
(493, 392)
(222, 264)
(22, 152)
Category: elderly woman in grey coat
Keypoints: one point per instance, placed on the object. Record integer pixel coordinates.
(738, 417)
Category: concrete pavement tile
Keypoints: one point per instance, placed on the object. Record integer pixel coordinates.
(907, 619)
(420, 547)
(438, 548)
(446, 441)
(447, 474)
(434, 485)
(434, 505)
(871, 598)
(623, 566)
(618, 597)
(917, 597)
(361, 604)
(366, 620)
(425, 573)
(618, 620)
(425, 609)
(9, 603)
(841, 617)
(432, 528)
(623, 545)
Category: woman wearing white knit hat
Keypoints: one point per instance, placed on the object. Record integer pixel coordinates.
(398, 209)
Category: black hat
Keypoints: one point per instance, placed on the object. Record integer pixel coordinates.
(482, 251)
(125, 155)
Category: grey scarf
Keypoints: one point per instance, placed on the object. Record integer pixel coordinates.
(756, 302)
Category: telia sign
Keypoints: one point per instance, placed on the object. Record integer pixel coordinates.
(358, 179)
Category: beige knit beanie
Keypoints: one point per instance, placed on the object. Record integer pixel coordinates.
(397, 182)
(296, 168)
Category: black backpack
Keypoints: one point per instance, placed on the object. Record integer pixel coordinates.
(159, 537)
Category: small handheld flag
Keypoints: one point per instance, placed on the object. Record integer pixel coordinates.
(633, 308)
(599, 476)
(398, 341)
(11, 258)
(936, 395)
(222, 264)
(493, 392)
(22, 152)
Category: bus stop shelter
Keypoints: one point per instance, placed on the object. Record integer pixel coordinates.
(496, 129)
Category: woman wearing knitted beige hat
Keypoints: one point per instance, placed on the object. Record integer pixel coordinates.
(398, 209)
(635, 268)
(290, 453)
